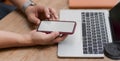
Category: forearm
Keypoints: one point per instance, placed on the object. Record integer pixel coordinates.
(18, 3)
(9, 39)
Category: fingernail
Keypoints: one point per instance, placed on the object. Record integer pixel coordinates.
(48, 16)
(56, 16)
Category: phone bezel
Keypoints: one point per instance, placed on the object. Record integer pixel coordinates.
(73, 30)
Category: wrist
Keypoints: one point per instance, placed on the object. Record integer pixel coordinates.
(27, 40)
(27, 4)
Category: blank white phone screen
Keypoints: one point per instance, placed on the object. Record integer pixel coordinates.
(56, 26)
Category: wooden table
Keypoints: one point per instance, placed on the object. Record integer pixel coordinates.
(16, 22)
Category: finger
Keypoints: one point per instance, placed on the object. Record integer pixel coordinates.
(34, 19)
(52, 36)
(59, 39)
(47, 13)
(52, 17)
(53, 13)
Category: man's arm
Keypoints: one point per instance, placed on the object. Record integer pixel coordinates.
(18, 3)
(10, 39)
(35, 13)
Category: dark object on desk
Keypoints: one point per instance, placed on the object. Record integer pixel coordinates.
(5, 9)
(112, 50)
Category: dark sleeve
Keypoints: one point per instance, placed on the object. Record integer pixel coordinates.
(5, 9)
(1, 0)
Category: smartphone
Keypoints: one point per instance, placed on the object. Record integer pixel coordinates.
(64, 27)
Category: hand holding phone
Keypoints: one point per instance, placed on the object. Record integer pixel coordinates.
(64, 27)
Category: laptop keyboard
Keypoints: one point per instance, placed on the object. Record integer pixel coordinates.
(94, 32)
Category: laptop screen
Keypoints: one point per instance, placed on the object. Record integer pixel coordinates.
(115, 22)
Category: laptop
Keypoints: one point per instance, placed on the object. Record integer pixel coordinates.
(94, 29)
(92, 3)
